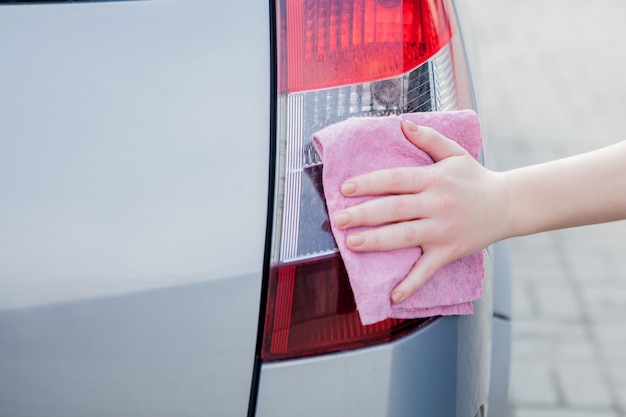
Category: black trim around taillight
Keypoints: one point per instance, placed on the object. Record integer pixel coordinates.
(273, 105)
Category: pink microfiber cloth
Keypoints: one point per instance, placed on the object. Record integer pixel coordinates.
(360, 145)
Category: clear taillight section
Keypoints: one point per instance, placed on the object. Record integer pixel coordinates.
(340, 59)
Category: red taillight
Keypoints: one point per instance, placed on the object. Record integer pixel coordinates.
(329, 43)
(312, 311)
(339, 59)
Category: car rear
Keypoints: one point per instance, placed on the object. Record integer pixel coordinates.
(165, 246)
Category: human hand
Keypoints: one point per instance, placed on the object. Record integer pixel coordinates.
(450, 209)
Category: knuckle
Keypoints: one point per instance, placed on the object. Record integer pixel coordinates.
(433, 176)
(398, 208)
(409, 234)
(443, 203)
(396, 177)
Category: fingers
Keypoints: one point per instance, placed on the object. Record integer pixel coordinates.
(384, 210)
(404, 235)
(398, 180)
(393, 236)
(430, 141)
(426, 266)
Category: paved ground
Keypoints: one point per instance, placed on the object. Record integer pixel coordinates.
(554, 84)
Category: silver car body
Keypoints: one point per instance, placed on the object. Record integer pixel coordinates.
(134, 178)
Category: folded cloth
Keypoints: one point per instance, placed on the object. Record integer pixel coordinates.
(359, 145)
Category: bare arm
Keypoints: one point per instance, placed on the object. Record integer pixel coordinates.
(585, 189)
(457, 207)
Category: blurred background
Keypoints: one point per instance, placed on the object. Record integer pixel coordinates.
(552, 79)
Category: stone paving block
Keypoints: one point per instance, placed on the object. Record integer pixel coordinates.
(534, 244)
(590, 268)
(561, 412)
(612, 341)
(553, 351)
(583, 385)
(600, 236)
(531, 273)
(542, 268)
(620, 268)
(558, 302)
(545, 330)
(532, 384)
(618, 377)
(606, 303)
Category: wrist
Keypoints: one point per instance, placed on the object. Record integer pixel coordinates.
(503, 209)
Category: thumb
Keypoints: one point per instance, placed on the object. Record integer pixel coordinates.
(423, 270)
(431, 141)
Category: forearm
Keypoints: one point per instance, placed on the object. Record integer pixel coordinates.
(585, 189)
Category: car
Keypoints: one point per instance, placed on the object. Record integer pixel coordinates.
(165, 249)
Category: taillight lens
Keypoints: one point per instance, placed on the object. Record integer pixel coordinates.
(314, 312)
(340, 59)
(327, 43)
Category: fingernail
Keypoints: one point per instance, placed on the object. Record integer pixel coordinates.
(348, 188)
(397, 296)
(410, 125)
(342, 219)
(355, 240)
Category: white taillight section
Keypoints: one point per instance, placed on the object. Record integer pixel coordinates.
(303, 230)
